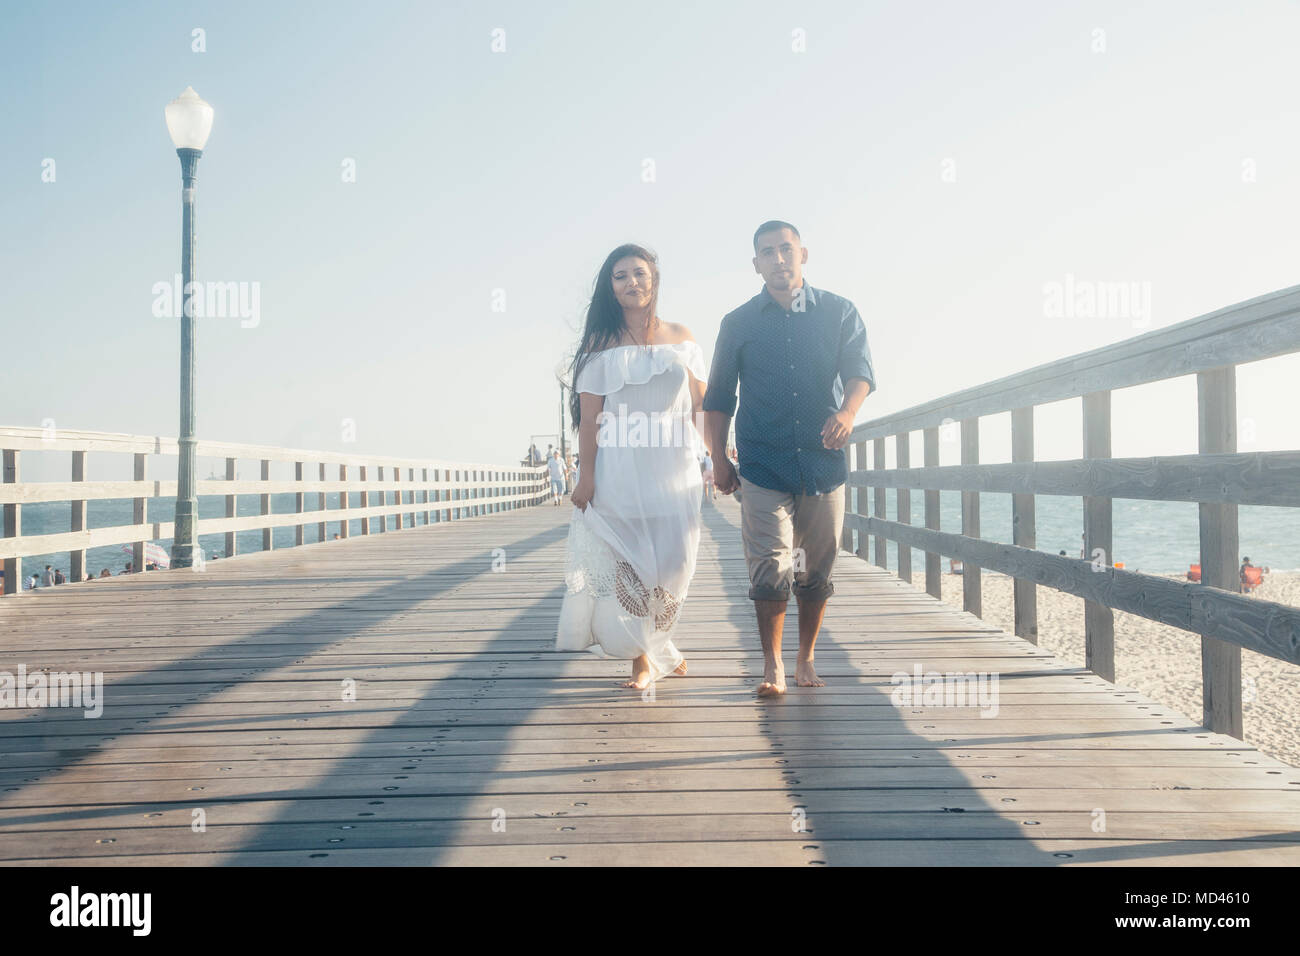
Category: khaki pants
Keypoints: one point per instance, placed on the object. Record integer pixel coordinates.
(790, 542)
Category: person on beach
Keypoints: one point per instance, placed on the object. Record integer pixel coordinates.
(801, 359)
(633, 535)
(556, 469)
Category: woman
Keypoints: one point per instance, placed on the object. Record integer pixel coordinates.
(637, 383)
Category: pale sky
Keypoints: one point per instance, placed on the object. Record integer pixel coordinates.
(944, 162)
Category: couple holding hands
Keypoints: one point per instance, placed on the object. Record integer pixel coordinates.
(639, 386)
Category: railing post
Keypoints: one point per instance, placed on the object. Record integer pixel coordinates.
(878, 464)
(230, 508)
(321, 531)
(13, 522)
(139, 516)
(1023, 529)
(300, 530)
(397, 482)
(863, 549)
(383, 500)
(903, 497)
(1216, 392)
(933, 568)
(1098, 619)
(846, 534)
(972, 595)
(77, 558)
(365, 502)
(267, 540)
(424, 479)
(343, 503)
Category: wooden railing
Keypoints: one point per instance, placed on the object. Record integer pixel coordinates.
(1219, 478)
(440, 491)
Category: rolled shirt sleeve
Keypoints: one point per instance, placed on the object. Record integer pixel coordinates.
(855, 354)
(724, 374)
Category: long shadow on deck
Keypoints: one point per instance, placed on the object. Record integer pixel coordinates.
(824, 807)
(69, 749)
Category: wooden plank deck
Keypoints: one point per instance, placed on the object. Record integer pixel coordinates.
(471, 742)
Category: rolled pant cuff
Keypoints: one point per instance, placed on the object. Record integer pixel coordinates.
(764, 593)
(814, 592)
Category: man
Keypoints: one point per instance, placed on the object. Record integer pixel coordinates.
(556, 468)
(48, 578)
(801, 359)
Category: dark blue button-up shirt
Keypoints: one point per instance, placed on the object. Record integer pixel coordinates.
(792, 367)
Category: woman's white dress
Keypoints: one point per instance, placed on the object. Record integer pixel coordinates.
(631, 553)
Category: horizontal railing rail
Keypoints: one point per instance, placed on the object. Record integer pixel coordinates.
(438, 490)
(1218, 478)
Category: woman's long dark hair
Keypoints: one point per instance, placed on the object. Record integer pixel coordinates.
(605, 322)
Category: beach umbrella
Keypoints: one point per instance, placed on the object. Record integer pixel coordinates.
(152, 552)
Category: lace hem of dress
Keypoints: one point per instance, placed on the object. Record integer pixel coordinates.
(590, 564)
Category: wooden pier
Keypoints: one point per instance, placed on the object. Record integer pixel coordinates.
(227, 735)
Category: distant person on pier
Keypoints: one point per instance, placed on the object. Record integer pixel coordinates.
(48, 578)
(635, 527)
(32, 582)
(706, 465)
(126, 569)
(59, 577)
(105, 573)
(800, 358)
(556, 468)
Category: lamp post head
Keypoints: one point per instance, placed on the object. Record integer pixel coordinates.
(189, 120)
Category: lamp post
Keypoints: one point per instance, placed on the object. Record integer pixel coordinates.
(189, 121)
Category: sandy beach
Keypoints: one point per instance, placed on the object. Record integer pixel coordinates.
(1160, 661)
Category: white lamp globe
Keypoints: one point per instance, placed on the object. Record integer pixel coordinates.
(189, 120)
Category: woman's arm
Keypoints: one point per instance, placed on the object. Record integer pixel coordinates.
(591, 407)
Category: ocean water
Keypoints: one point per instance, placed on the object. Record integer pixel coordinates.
(1159, 537)
(54, 517)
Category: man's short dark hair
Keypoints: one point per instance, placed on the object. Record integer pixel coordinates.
(771, 226)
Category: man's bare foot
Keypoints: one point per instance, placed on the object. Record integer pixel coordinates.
(773, 681)
(680, 669)
(805, 676)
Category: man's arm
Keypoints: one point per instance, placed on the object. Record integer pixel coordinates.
(719, 405)
(857, 375)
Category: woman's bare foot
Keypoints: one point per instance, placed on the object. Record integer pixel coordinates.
(805, 676)
(773, 681)
(680, 669)
(640, 674)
